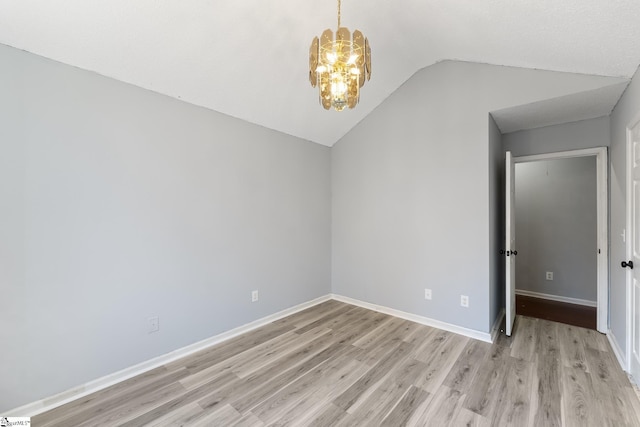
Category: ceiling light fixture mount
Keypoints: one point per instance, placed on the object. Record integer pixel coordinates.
(339, 66)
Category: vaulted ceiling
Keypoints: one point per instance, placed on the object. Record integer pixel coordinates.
(249, 58)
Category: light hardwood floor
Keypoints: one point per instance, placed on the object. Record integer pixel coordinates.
(340, 365)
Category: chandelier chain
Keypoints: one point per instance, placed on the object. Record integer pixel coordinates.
(339, 13)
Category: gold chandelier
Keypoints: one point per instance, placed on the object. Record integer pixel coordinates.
(339, 67)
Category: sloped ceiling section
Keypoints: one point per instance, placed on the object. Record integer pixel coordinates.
(248, 58)
(585, 105)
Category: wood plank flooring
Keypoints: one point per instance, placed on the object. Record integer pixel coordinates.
(571, 314)
(340, 365)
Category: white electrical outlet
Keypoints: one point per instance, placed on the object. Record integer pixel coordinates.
(254, 296)
(464, 301)
(549, 275)
(427, 294)
(153, 324)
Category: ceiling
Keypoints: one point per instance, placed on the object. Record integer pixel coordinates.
(564, 109)
(248, 58)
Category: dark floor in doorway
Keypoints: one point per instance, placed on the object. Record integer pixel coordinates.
(570, 314)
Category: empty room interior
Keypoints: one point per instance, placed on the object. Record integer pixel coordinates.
(218, 213)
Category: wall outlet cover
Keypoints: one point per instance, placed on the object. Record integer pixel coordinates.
(464, 300)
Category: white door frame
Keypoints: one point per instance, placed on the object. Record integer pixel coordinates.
(602, 324)
(629, 242)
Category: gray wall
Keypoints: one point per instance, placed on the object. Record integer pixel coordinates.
(118, 204)
(497, 220)
(627, 110)
(565, 137)
(411, 184)
(556, 227)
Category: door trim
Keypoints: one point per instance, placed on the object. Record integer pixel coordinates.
(602, 186)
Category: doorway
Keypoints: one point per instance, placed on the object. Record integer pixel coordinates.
(552, 261)
(556, 225)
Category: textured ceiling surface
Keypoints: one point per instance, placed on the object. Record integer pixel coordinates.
(248, 58)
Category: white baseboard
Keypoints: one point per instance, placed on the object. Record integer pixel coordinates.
(39, 406)
(495, 329)
(617, 351)
(471, 333)
(568, 300)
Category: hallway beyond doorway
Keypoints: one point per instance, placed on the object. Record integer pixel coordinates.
(570, 314)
